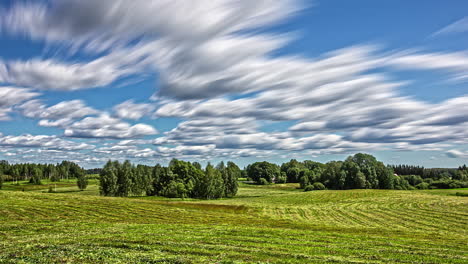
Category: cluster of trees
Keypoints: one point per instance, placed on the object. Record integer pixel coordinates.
(361, 171)
(28, 171)
(94, 171)
(35, 173)
(404, 169)
(180, 179)
(433, 173)
(433, 178)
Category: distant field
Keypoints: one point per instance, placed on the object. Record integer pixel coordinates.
(263, 224)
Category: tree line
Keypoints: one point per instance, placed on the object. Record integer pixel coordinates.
(180, 179)
(36, 173)
(434, 173)
(360, 171)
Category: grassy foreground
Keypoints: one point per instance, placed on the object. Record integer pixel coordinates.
(263, 224)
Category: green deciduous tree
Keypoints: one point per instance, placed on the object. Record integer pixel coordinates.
(263, 170)
(36, 176)
(82, 181)
(108, 179)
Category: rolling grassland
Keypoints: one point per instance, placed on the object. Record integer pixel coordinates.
(262, 224)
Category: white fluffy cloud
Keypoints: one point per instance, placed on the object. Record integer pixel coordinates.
(54, 75)
(105, 126)
(11, 96)
(131, 110)
(58, 115)
(42, 141)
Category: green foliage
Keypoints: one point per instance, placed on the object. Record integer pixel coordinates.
(180, 180)
(282, 178)
(422, 186)
(93, 176)
(262, 172)
(124, 178)
(333, 175)
(447, 184)
(316, 186)
(361, 171)
(295, 170)
(108, 179)
(25, 171)
(174, 189)
(1, 177)
(197, 165)
(36, 176)
(263, 181)
(319, 186)
(460, 174)
(82, 181)
(307, 177)
(231, 174)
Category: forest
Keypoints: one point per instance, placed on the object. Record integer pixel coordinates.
(183, 179)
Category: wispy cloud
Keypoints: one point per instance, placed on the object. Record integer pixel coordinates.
(453, 153)
(217, 72)
(459, 26)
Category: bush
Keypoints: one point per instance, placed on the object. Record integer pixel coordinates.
(309, 188)
(447, 184)
(174, 189)
(36, 180)
(281, 179)
(423, 186)
(263, 181)
(319, 186)
(82, 182)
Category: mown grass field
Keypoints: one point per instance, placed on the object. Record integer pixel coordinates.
(263, 224)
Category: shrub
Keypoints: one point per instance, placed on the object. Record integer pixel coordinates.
(423, 186)
(447, 184)
(309, 188)
(319, 186)
(36, 180)
(281, 179)
(263, 181)
(82, 182)
(175, 189)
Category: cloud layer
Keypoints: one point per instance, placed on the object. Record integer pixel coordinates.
(217, 72)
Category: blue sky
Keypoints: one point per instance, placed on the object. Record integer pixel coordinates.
(233, 80)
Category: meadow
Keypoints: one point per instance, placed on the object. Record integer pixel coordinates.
(262, 224)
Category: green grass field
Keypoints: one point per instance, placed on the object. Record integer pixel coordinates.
(263, 224)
